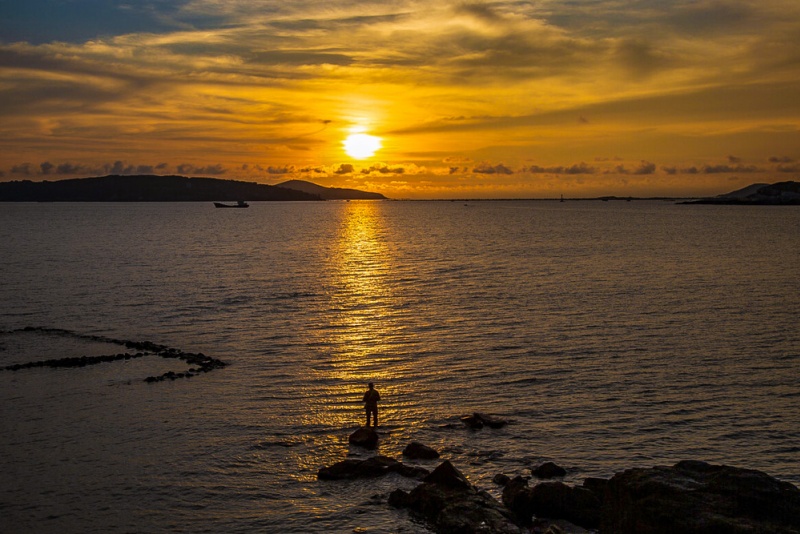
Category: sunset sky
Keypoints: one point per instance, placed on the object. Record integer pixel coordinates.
(454, 99)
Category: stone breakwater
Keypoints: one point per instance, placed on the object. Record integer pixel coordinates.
(690, 497)
(200, 362)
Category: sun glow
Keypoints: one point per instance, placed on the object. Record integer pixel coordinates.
(361, 145)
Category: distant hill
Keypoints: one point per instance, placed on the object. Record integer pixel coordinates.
(743, 192)
(777, 194)
(145, 188)
(330, 193)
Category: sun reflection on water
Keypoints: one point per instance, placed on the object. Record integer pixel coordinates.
(361, 340)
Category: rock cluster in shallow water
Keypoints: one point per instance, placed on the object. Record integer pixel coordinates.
(690, 497)
(200, 362)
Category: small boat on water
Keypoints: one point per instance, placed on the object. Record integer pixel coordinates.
(240, 204)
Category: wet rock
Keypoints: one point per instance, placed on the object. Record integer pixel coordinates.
(452, 505)
(694, 497)
(409, 471)
(447, 475)
(472, 422)
(501, 480)
(339, 471)
(478, 420)
(548, 470)
(417, 451)
(490, 421)
(364, 437)
(369, 468)
(554, 500)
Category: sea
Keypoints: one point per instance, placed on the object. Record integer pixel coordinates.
(610, 335)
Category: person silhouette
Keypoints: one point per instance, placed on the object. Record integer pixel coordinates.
(371, 398)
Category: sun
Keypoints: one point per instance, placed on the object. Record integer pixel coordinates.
(361, 145)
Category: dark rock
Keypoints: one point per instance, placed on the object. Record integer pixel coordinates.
(369, 468)
(364, 437)
(597, 486)
(490, 421)
(477, 420)
(377, 466)
(447, 475)
(548, 470)
(399, 499)
(472, 422)
(575, 504)
(410, 471)
(339, 470)
(452, 505)
(417, 451)
(517, 498)
(501, 480)
(694, 497)
(554, 500)
(352, 468)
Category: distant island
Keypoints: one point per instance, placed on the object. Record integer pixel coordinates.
(777, 194)
(330, 193)
(152, 188)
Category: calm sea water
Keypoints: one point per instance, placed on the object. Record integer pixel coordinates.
(611, 335)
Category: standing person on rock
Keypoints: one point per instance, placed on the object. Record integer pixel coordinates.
(371, 398)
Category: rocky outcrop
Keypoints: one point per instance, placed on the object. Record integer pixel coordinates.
(694, 497)
(448, 501)
(554, 500)
(369, 468)
(364, 437)
(548, 470)
(418, 451)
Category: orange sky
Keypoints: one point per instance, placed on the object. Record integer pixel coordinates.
(481, 99)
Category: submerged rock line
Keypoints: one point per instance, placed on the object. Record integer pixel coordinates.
(200, 362)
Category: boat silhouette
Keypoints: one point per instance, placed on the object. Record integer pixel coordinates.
(239, 204)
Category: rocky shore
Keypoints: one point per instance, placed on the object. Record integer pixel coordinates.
(689, 497)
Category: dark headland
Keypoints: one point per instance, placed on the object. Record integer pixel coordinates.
(777, 194)
(330, 193)
(151, 188)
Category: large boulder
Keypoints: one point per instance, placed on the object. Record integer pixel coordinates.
(452, 505)
(694, 497)
(364, 437)
(553, 500)
(417, 451)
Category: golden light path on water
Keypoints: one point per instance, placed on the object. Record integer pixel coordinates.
(361, 340)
